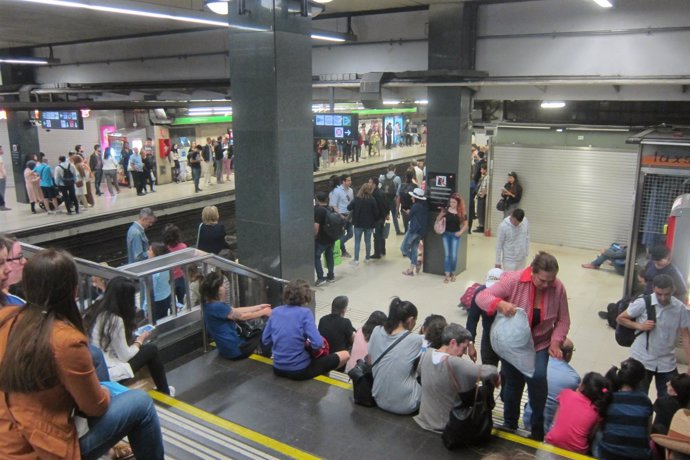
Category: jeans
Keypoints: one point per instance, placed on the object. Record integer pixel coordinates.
(148, 356)
(319, 249)
(410, 246)
(161, 308)
(367, 241)
(394, 213)
(344, 239)
(450, 248)
(219, 170)
(406, 219)
(111, 180)
(180, 289)
(609, 254)
(196, 176)
(537, 390)
(99, 178)
(660, 380)
(99, 363)
(130, 414)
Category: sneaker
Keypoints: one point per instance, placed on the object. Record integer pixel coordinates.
(330, 280)
(172, 391)
(320, 282)
(5, 208)
(346, 254)
(408, 272)
(375, 256)
(355, 262)
(590, 266)
(603, 315)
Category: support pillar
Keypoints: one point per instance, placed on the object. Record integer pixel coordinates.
(23, 139)
(452, 39)
(270, 72)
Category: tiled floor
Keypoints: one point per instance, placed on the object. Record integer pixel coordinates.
(20, 216)
(371, 286)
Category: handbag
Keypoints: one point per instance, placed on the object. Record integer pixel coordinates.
(249, 328)
(440, 224)
(362, 377)
(501, 205)
(470, 421)
(325, 350)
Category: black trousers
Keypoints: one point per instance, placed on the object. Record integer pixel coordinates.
(138, 177)
(99, 179)
(379, 240)
(70, 197)
(148, 356)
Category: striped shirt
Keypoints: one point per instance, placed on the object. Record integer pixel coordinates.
(518, 289)
(626, 427)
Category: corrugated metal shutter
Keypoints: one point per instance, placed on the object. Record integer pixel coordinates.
(7, 158)
(580, 197)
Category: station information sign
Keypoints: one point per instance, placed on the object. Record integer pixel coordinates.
(336, 126)
(69, 119)
(439, 188)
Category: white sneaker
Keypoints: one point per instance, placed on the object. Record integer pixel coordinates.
(171, 389)
(355, 262)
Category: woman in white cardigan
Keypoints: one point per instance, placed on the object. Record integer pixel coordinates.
(111, 324)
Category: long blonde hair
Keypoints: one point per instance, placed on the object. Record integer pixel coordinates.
(365, 191)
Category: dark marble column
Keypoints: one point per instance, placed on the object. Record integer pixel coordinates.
(23, 142)
(270, 72)
(452, 39)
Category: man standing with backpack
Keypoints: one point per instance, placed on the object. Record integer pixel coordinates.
(390, 185)
(655, 345)
(326, 233)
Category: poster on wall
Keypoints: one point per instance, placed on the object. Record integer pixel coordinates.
(439, 186)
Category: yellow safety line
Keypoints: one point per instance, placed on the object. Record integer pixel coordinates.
(539, 445)
(320, 378)
(239, 430)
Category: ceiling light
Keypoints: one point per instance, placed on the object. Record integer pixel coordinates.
(323, 1)
(217, 6)
(391, 102)
(23, 60)
(604, 3)
(327, 38)
(129, 11)
(552, 105)
(3, 114)
(422, 102)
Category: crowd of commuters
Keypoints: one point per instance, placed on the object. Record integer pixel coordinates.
(79, 178)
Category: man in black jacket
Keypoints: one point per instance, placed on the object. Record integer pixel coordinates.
(382, 203)
(218, 160)
(96, 165)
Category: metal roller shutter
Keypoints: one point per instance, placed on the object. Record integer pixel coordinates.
(577, 197)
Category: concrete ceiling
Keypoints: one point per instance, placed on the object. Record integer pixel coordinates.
(33, 24)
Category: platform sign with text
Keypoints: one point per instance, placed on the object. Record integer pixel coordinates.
(336, 126)
(439, 188)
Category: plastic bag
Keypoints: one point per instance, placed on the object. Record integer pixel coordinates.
(511, 339)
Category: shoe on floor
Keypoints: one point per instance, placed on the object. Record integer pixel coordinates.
(603, 315)
(408, 272)
(172, 391)
(375, 256)
(5, 208)
(320, 282)
(346, 254)
(330, 280)
(593, 267)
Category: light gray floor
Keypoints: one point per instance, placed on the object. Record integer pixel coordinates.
(371, 286)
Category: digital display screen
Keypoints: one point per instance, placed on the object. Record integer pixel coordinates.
(336, 126)
(70, 119)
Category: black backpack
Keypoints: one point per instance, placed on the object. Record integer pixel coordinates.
(388, 187)
(333, 225)
(405, 198)
(67, 176)
(626, 336)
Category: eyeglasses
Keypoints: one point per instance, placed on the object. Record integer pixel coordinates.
(14, 259)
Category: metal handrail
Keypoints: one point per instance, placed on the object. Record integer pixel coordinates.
(143, 272)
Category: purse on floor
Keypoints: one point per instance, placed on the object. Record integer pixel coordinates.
(470, 422)
(362, 377)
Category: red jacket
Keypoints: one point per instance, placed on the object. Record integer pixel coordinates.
(518, 289)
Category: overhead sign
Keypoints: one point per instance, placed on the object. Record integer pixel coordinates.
(71, 119)
(336, 126)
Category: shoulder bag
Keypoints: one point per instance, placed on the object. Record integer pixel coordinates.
(363, 378)
(501, 205)
(440, 224)
(470, 421)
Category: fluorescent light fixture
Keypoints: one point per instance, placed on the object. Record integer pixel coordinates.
(327, 38)
(128, 11)
(559, 130)
(552, 105)
(3, 115)
(323, 1)
(218, 6)
(391, 102)
(23, 60)
(422, 102)
(603, 3)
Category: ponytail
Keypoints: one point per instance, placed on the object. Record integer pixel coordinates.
(398, 312)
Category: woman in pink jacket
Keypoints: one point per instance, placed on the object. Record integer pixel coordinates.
(538, 292)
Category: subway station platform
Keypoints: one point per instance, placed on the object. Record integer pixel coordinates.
(168, 199)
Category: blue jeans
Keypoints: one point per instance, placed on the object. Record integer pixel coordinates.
(99, 363)
(367, 241)
(610, 254)
(410, 246)
(180, 289)
(450, 248)
(537, 389)
(328, 250)
(130, 414)
(344, 239)
(196, 176)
